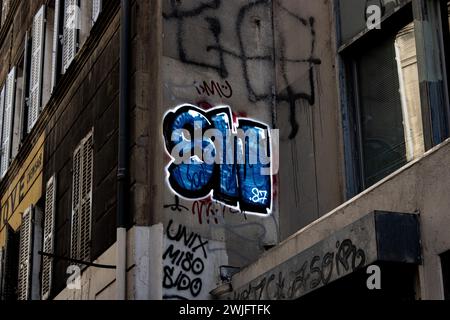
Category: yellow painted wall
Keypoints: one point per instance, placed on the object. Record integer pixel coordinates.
(24, 191)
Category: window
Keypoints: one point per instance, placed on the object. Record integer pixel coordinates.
(20, 106)
(7, 108)
(1, 266)
(29, 258)
(5, 10)
(37, 57)
(388, 100)
(445, 15)
(386, 127)
(82, 200)
(25, 89)
(39, 54)
(49, 231)
(71, 27)
(73, 20)
(96, 9)
(9, 263)
(25, 253)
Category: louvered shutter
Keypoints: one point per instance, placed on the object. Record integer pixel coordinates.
(8, 121)
(37, 57)
(56, 40)
(86, 199)
(49, 231)
(76, 203)
(1, 268)
(2, 111)
(96, 9)
(82, 200)
(25, 255)
(23, 123)
(71, 23)
(5, 10)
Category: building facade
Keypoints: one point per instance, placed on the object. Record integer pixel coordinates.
(344, 104)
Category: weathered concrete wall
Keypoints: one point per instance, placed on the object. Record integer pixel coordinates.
(269, 61)
(144, 270)
(311, 163)
(420, 187)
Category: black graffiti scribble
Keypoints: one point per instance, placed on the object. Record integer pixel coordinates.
(309, 275)
(182, 269)
(212, 88)
(349, 256)
(176, 206)
(276, 55)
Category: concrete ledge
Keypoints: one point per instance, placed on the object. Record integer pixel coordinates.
(378, 237)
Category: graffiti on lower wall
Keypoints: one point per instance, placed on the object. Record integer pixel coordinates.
(305, 274)
(184, 263)
(214, 156)
(189, 266)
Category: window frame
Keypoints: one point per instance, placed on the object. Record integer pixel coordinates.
(435, 129)
(80, 242)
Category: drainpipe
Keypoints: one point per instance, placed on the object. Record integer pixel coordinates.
(122, 172)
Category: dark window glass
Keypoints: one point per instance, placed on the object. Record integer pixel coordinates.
(388, 101)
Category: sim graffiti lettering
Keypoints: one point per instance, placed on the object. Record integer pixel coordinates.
(213, 156)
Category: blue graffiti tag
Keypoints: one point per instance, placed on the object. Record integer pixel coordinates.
(213, 156)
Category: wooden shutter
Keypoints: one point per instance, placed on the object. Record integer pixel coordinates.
(25, 255)
(25, 87)
(76, 204)
(5, 10)
(49, 231)
(71, 23)
(8, 121)
(2, 111)
(1, 268)
(56, 44)
(37, 58)
(82, 200)
(96, 9)
(86, 199)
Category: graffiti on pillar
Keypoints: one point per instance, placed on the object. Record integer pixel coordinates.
(224, 56)
(215, 156)
(184, 263)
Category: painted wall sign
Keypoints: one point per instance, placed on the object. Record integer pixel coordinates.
(214, 156)
(24, 190)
